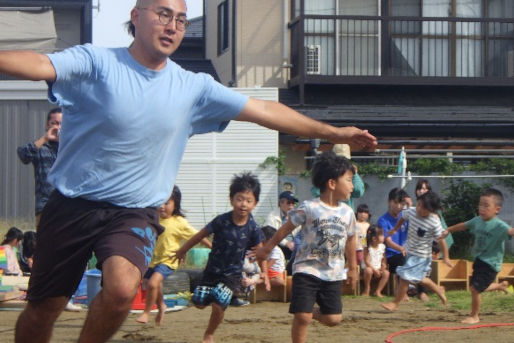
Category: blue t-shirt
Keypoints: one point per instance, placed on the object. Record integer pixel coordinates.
(125, 127)
(229, 245)
(387, 222)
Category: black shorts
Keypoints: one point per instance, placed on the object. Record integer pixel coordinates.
(308, 289)
(483, 275)
(395, 261)
(71, 229)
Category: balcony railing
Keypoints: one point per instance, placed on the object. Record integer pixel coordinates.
(363, 49)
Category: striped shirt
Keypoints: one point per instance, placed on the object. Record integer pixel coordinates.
(421, 233)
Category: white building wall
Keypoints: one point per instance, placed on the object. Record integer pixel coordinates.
(211, 160)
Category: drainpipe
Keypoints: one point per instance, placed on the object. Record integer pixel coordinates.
(233, 81)
(285, 57)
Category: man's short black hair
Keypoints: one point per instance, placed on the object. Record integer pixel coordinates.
(245, 182)
(52, 111)
(329, 166)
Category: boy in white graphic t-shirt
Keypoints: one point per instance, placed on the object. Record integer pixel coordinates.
(328, 228)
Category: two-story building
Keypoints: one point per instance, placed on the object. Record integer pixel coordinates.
(424, 74)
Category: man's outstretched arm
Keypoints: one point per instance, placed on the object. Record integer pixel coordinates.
(277, 116)
(27, 65)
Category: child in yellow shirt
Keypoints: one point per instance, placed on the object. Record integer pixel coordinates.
(176, 229)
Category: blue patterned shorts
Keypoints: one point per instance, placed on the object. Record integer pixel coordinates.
(205, 295)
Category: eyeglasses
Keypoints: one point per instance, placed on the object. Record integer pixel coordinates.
(181, 23)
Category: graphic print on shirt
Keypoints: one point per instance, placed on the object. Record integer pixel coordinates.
(328, 237)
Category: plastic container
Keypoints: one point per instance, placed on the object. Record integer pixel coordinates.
(197, 257)
(94, 284)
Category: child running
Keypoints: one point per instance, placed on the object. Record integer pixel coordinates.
(176, 229)
(375, 264)
(329, 232)
(488, 248)
(424, 227)
(234, 232)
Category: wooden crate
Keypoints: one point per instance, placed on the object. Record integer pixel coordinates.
(277, 293)
(456, 277)
(506, 273)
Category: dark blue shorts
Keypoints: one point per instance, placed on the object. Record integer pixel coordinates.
(162, 269)
(206, 295)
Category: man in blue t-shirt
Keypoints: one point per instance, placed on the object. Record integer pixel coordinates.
(127, 116)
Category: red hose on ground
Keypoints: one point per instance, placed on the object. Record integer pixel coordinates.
(442, 328)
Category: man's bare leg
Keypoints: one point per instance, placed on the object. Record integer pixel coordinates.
(112, 304)
(36, 322)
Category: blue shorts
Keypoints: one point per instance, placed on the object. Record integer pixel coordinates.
(415, 268)
(162, 269)
(206, 295)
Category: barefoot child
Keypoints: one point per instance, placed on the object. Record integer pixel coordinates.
(488, 248)
(375, 264)
(329, 232)
(233, 231)
(176, 229)
(424, 227)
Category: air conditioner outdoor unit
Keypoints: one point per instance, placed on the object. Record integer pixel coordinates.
(313, 59)
(510, 63)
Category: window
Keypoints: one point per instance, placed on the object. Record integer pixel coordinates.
(223, 27)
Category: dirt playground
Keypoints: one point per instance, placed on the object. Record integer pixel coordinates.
(364, 321)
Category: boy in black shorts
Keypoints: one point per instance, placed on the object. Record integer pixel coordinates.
(234, 233)
(488, 248)
(328, 226)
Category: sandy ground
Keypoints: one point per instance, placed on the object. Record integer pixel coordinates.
(364, 321)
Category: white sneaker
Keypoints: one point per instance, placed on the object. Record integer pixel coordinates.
(71, 307)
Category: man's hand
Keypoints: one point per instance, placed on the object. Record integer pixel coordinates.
(444, 234)
(356, 138)
(52, 134)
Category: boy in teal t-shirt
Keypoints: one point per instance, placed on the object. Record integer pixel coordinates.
(488, 249)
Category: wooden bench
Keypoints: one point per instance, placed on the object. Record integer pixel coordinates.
(277, 293)
(456, 277)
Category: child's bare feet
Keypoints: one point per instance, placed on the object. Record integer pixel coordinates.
(365, 294)
(378, 295)
(143, 319)
(503, 287)
(208, 339)
(442, 296)
(470, 320)
(159, 318)
(423, 297)
(390, 306)
(406, 298)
